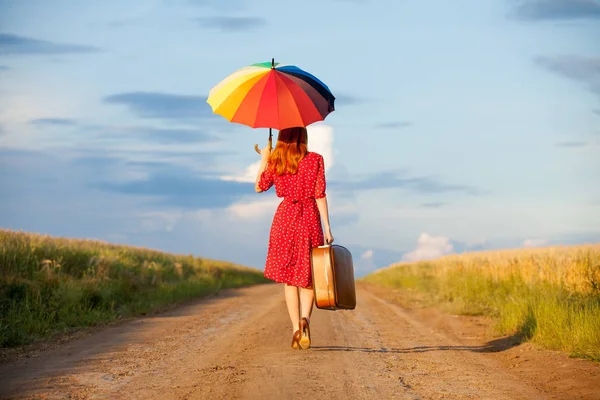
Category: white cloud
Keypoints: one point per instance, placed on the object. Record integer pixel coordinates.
(534, 242)
(249, 174)
(367, 255)
(364, 263)
(20, 109)
(254, 209)
(320, 140)
(429, 247)
(16, 112)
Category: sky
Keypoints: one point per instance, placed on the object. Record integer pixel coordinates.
(459, 126)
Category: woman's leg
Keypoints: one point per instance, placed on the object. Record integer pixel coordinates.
(293, 306)
(307, 300)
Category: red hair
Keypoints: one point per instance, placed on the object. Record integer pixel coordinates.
(291, 147)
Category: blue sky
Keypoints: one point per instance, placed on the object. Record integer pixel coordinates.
(459, 126)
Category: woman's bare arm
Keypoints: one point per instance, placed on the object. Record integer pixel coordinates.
(265, 153)
(324, 211)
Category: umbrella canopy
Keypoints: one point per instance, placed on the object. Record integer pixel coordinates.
(271, 95)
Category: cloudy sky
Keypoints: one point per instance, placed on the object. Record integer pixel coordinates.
(459, 125)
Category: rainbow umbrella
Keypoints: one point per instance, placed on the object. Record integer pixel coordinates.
(271, 95)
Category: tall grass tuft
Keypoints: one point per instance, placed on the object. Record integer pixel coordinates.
(549, 296)
(50, 285)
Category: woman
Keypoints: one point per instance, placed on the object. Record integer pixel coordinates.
(299, 177)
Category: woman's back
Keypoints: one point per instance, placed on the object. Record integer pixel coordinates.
(307, 182)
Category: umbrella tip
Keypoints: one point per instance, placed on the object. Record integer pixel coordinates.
(272, 63)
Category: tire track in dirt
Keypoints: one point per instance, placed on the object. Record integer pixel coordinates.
(431, 365)
(237, 346)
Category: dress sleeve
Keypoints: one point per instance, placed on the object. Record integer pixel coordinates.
(320, 183)
(266, 179)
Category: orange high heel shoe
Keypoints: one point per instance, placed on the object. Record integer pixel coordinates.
(305, 334)
(296, 340)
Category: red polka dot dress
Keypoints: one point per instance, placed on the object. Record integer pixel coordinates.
(296, 227)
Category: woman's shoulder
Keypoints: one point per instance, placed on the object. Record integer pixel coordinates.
(314, 155)
(311, 159)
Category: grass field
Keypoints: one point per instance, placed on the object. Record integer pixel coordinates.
(50, 285)
(549, 296)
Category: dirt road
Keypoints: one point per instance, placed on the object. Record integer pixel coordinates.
(237, 346)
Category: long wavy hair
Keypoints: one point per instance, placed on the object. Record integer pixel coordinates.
(291, 147)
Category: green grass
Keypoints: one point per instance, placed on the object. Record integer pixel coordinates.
(547, 296)
(50, 285)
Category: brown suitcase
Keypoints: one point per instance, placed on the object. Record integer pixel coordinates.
(333, 277)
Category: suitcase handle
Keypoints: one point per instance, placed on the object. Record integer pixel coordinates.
(326, 245)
